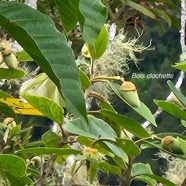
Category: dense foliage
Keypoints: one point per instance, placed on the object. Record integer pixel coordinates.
(80, 63)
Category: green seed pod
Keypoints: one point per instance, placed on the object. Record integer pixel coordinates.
(10, 59)
(130, 94)
(171, 144)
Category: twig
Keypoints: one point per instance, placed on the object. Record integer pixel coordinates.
(50, 164)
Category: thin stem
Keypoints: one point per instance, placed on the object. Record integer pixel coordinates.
(104, 78)
(91, 68)
(139, 142)
(51, 162)
(93, 112)
(100, 140)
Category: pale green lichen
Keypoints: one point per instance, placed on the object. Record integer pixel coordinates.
(175, 171)
(115, 61)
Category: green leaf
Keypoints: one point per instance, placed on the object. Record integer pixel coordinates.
(11, 73)
(140, 8)
(128, 146)
(48, 151)
(163, 15)
(100, 44)
(5, 109)
(11, 163)
(180, 66)
(177, 93)
(126, 123)
(85, 82)
(95, 15)
(48, 47)
(50, 139)
(15, 130)
(92, 172)
(101, 147)
(46, 106)
(160, 179)
(171, 108)
(23, 56)
(142, 110)
(110, 168)
(139, 170)
(15, 181)
(183, 122)
(4, 94)
(94, 129)
(69, 13)
(104, 104)
(182, 145)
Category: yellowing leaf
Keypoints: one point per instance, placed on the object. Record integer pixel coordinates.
(20, 107)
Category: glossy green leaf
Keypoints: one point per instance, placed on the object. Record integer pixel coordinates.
(12, 164)
(11, 73)
(105, 104)
(50, 139)
(48, 47)
(23, 56)
(140, 168)
(128, 146)
(95, 15)
(92, 172)
(180, 65)
(183, 122)
(140, 8)
(118, 151)
(110, 168)
(48, 151)
(101, 146)
(142, 110)
(182, 145)
(163, 15)
(46, 106)
(94, 129)
(160, 179)
(138, 171)
(126, 123)
(171, 108)
(84, 79)
(177, 93)
(69, 13)
(106, 167)
(100, 44)
(4, 94)
(16, 181)
(15, 130)
(5, 109)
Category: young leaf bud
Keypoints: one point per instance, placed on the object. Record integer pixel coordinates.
(36, 161)
(171, 144)
(85, 51)
(129, 93)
